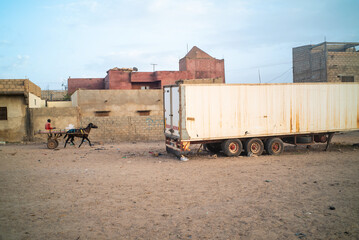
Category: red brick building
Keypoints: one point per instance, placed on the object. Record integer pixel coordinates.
(195, 65)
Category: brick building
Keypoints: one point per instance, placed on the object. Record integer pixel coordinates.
(195, 65)
(326, 62)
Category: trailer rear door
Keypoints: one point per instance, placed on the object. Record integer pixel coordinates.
(171, 111)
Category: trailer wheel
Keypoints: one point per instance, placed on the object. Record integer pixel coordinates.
(213, 147)
(274, 146)
(52, 143)
(232, 147)
(305, 139)
(254, 146)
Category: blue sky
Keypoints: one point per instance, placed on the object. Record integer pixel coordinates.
(48, 41)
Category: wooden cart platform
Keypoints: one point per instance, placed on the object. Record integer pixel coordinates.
(52, 136)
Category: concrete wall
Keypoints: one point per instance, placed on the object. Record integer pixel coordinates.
(59, 104)
(14, 128)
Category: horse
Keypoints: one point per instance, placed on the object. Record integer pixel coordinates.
(79, 132)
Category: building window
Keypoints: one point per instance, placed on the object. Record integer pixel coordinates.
(145, 87)
(144, 112)
(347, 78)
(3, 113)
(102, 113)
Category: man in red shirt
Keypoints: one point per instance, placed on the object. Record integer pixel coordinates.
(48, 125)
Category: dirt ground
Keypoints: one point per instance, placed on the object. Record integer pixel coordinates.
(122, 191)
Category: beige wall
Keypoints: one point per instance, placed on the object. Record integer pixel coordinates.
(119, 102)
(14, 128)
(59, 104)
(35, 101)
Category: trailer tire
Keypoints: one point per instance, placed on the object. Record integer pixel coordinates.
(213, 147)
(305, 139)
(274, 146)
(254, 146)
(232, 147)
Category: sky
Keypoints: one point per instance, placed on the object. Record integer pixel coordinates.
(48, 41)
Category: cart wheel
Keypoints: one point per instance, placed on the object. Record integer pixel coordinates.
(232, 147)
(254, 146)
(52, 143)
(274, 146)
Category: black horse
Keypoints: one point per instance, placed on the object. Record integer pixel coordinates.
(79, 132)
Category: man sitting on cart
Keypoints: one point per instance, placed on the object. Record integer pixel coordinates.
(48, 126)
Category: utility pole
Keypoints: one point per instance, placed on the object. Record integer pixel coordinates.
(259, 75)
(154, 66)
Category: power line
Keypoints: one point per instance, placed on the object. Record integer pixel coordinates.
(280, 75)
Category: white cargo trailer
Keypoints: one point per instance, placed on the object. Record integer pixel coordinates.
(257, 117)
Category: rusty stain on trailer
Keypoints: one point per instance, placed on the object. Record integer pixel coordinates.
(297, 122)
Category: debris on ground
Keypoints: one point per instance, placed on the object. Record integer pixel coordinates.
(331, 208)
(183, 158)
(300, 235)
(268, 180)
(101, 148)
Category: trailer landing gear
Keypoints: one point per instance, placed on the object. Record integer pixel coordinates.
(329, 140)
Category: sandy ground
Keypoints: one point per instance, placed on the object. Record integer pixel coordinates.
(121, 191)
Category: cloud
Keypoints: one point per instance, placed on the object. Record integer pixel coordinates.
(21, 61)
(4, 42)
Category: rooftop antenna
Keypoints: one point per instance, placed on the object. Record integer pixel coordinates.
(154, 66)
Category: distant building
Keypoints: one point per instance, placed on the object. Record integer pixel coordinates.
(195, 65)
(326, 62)
(16, 97)
(54, 95)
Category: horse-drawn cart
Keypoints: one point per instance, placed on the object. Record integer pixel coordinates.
(52, 136)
